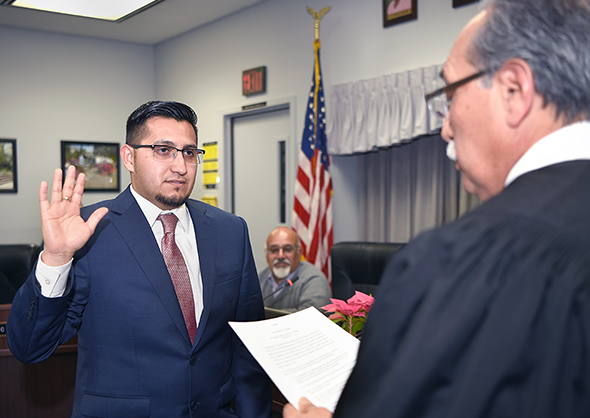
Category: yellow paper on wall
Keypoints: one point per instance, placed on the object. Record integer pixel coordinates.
(210, 178)
(210, 165)
(211, 200)
(210, 149)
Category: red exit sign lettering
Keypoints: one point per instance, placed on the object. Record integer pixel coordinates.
(254, 81)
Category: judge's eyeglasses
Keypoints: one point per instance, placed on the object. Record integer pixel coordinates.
(439, 100)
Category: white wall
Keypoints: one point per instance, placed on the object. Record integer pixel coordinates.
(203, 68)
(55, 87)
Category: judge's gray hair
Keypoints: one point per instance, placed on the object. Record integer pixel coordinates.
(552, 36)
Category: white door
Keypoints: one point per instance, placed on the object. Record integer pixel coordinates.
(261, 175)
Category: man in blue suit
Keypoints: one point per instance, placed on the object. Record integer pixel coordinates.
(102, 276)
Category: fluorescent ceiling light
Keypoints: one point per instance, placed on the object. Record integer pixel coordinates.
(99, 9)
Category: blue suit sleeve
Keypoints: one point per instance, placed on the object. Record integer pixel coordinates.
(253, 393)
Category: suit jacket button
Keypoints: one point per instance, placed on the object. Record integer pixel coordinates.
(194, 405)
(193, 360)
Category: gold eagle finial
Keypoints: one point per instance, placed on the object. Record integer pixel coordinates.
(318, 16)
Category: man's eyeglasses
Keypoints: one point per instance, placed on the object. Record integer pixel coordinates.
(167, 153)
(439, 100)
(287, 249)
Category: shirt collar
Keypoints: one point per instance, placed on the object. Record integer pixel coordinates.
(151, 211)
(572, 142)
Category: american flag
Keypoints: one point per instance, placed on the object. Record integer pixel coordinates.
(312, 218)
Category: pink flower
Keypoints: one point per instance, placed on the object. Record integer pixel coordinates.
(350, 315)
(338, 306)
(336, 317)
(362, 301)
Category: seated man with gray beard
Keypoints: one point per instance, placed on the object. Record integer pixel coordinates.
(288, 283)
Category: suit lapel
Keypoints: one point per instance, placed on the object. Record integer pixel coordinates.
(206, 234)
(130, 221)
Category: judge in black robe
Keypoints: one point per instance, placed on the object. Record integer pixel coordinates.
(488, 316)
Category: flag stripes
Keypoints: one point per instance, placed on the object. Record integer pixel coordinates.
(312, 219)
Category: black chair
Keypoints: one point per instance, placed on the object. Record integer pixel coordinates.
(359, 266)
(16, 262)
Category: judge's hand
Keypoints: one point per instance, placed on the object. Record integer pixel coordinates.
(306, 410)
(64, 231)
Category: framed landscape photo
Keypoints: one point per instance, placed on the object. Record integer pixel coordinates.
(8, 180)
(459, 3)
(397, 11)
(99, 161)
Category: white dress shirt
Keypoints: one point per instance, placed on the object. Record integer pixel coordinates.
(570, 143)
(53, 280)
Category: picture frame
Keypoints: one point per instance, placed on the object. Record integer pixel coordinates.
(8, 171)
(459, 3)
(98, 160)
(397, 11)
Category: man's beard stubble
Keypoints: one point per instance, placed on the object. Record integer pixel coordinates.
(172, 202)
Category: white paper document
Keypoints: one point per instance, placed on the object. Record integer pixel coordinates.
(304, 353)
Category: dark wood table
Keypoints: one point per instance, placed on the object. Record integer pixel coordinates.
(45, 389)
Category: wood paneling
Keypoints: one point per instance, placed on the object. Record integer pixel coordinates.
(40, 390)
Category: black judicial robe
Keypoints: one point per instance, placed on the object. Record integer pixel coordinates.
(488, 316)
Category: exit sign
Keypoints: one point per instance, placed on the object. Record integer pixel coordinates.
(254, 81)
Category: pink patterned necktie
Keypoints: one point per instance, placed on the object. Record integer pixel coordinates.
(178, 272)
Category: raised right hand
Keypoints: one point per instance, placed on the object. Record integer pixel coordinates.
(64, 230)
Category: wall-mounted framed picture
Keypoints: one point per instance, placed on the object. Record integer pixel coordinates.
(99, 161)
(459, 3)
(8, 180)
(397, 11)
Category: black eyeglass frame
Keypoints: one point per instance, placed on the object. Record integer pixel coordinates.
(453, 86)
(197, 151)
(287, 249)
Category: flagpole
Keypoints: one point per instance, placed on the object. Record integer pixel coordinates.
(316, 47)
(312, 220)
